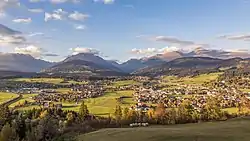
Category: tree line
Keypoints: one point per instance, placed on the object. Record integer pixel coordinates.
(58, 125)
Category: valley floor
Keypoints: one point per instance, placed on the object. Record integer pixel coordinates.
(232, 130)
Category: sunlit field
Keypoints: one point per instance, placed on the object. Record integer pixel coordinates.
(200, 79)
(42, 80)
(101, 106)
(26, 97)
(49, 80)
(6, 96)
(232, 130)
(125, 82)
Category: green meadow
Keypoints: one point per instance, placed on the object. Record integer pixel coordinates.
(6, 96)
(231, 130)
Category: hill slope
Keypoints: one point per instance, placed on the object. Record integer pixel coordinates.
(21, 62)
(232, 130)
(84, 67)
(189, 66)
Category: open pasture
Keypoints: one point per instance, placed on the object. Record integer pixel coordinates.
(41, 80)
(25, 97)
(231, 130)
(6, 96)
(125, 83)
(104, 105)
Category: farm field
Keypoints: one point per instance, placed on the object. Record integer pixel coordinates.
(44, 80)
(245, 90)
(26, 97)
(200, 79)
(48, 80)
(231, 130)
(6, 96)
(125, 82)
(101, 106)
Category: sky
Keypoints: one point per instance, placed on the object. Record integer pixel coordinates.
(123, 29)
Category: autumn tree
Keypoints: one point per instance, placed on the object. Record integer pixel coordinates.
(4, 115)
(160, 113)
(83, 111)
(8, 133)
(125, 113)
(118, 113)
(47, 128)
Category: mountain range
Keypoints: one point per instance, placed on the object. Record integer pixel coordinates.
(22, 63)
(93, 64)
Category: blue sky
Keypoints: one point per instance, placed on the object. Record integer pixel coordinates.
(121, 29)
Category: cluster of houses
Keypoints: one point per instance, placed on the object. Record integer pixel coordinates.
(196, 95)
(77, 93)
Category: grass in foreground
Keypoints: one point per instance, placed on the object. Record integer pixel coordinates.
(232, 130)
(6, 96)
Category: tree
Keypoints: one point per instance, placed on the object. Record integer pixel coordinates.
(44, 114)
(118, 113)
(8, 133)
(132, 116)
(47, 128)
(4, 115)
(32, 135)
(70, 118)
(160, 113)
(125, 113)
(83, 111)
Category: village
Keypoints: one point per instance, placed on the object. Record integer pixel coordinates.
(147, 93)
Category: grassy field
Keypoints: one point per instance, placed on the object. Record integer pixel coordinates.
(245, 90)
(232, 130)
(126, 82)
(26, 97)
(104, 105)
(6, 96)
(43, 80)
(197, 80)
(48, 80)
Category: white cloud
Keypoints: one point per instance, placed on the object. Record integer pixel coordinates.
(172, 40)
(242, 37)
(52, 16)
(154, 51)
(28, 20)
(35, 34)
(78, 50)
(105, 1)
(2, 14)
(58, 1)
(8, 3)
(34, 51)
(11, 40)
(34, 1)
(63, 1)
(60, 11)
(36, 10)
(80, 27)
(31, 50)
(78, 16)
(58, 14)
(169, 49)
(144, 51)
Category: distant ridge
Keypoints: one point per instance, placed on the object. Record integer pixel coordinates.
(190, 66)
